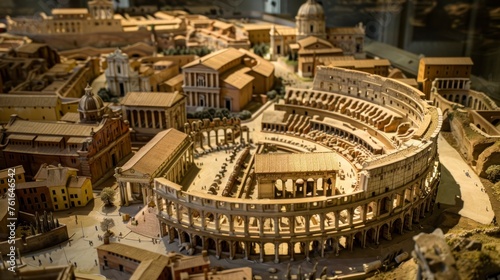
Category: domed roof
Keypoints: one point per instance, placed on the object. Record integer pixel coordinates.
(90, 102)
(311, 8)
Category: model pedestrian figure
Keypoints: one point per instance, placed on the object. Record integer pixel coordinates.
(95, 262)
(50, 259)
(96, 228)
(33, 257)
(39, 262)
(76, 265)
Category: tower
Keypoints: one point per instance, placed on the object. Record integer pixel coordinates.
(310, 20)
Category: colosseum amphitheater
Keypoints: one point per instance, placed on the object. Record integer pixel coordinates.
(336, 167)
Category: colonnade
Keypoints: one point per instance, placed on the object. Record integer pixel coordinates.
(147, 118)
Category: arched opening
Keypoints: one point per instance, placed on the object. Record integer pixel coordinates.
(397, 226)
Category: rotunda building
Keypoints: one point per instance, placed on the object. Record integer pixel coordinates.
(310, 20)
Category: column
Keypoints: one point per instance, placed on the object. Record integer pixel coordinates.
(351, 216)
(217, 101)
(247, 250)
(153, 117)
(337, 216)
(217, 228)
(231, 223)
(261, 227)
(276, 253)
(261, 252)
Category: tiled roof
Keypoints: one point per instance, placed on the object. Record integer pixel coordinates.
(14, 100)
(447, 60)
(151, 99)
(263, 67)
(130, 252)
(361, 63)
(150, 157)
(48, 128)
(30, 48)
(238, 77)
(217, 60)
(300, 162)
(313, 40)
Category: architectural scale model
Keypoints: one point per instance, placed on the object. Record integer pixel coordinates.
(145, 143)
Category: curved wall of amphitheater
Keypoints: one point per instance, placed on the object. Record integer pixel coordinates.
(396, 184)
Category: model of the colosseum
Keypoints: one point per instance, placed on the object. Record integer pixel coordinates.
(336, 167)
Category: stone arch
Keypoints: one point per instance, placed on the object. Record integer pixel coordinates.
(397, 226)
(283, 249)
(384, 231)
(211, 245)
(198, 241)
(371, 235)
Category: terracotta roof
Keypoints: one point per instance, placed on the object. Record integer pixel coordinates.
(255, 26)
(130, 252)
(55, 139)
(54, 175)
(49, 128)
(151, 99)
(313, 40)
(72, 11)
(14, 100)
(263, 67)
(71, 117)
(361, 63)
(447, 60)
(150, 157)
(187, 262)
(216, 60)
(222, 25)
(300, 162)
(238, 77)
(21, 137)
(333, 51)
(18, 168)
(150, 269)
(175, 80)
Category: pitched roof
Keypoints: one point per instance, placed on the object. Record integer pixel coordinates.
(150, 157)
(130, 251)
(49, 128)
(151, 99)
(54, 175)
(238, 77)
(30, 48)
(175, 80)
(313, 40)
(70, 11)
(14, 100)
(263, 67)
(447, 60)
(216, 60)
(300, 162)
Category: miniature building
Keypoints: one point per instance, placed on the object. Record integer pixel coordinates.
(310, 21)
(31, 107)
(311, 50)
(18, 65)
(147, 265)
(4, 177)
(135, 177)
(55, 188)
(473, 117)
(454, 72)
(226, 79)
(94, 145)
(124, 75)
(373, 66)
(148, 113)
(376, 175)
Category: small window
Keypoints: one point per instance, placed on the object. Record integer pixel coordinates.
(56, 206)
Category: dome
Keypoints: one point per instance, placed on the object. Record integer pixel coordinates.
(90, 102)
(311, 9)
(91, 108)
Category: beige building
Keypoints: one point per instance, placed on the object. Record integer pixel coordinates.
(455, 70)
(149, 74)
(226, 79)
(64, 187)
(35, 107)
(15, 172)
(94, 145)
(311, 51)
(372, 66)
(148, 113)
(169, 154)
(310, 21)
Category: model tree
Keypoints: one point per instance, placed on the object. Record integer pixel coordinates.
(108, 196)
(107, 223)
